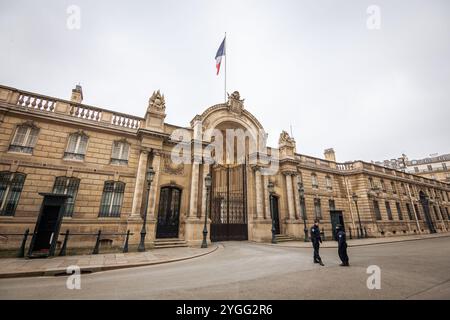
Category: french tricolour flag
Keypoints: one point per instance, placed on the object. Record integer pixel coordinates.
(220, 53)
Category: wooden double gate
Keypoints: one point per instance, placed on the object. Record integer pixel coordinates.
(229, 203)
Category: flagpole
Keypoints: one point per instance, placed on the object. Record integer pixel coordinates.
(225, 50)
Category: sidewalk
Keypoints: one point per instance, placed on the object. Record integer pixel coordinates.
(20, 267)
(363, 242)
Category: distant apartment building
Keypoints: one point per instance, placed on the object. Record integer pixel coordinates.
(434, 167)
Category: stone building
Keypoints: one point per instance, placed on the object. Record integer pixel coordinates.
(100, 157)
(433, 167)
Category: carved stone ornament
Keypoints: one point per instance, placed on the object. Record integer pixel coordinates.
(157, 101)
(170, 168)
(235, 103)
(286, 140)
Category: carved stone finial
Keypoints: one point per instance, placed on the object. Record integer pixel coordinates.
(157, 101)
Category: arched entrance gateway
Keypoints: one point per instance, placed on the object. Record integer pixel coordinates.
(235, 135)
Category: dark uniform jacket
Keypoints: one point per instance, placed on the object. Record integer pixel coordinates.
(315, 234)
(342, 239)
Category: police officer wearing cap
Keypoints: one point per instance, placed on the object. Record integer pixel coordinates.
(342, 245)
(316, 241)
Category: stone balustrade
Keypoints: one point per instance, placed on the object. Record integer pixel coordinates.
(41, 103)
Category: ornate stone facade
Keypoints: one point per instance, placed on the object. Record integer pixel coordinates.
(43, 138)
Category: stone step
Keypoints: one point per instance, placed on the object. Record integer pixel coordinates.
(170, 243)
(283, 238)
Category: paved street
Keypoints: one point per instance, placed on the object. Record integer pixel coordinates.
(242, 270)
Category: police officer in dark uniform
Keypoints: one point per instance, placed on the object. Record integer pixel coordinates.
(342, 245)
(316, 241)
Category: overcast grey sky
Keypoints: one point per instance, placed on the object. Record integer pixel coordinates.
(369, 94)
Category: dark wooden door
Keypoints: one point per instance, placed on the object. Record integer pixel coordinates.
(229, 203)
(168, 213)
(276, 214)
(46, 229)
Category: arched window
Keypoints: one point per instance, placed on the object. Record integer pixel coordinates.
(76, 146)
(120, 152)
(25, 138)
(314, 181)
(66, 185)
(112, 199)
(11, 185)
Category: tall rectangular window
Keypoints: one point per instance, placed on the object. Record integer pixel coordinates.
(24, 139)
(436, 214)
(332, 204)
(416, 207)
(120, 152)
(393, 187)
(329, 183)
(314, 182)
(448, 213)
(409, 210)
(389, 211)
(317, 209)
(399, 211)
(376, 208)
(66, 185)
(112, 197)
(76, 146)
(11, 185)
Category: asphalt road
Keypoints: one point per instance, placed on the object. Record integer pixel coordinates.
(241, 270)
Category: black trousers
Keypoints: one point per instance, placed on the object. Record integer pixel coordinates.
(342, 251)
(316, 246)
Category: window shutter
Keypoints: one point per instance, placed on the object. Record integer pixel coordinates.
(83, 144)
(32, 137)
(125, 151)
(72, 143)
(116, 150)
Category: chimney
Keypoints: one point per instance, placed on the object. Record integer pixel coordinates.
(330, 155)
(77, 94)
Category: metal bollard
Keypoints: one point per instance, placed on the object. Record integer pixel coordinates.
(62, 252)
(21, 253)
(365, 232)
(97, 243)
(350, 232)
(125, 246)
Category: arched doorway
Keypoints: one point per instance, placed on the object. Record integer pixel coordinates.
(168, 213)
(426, 209)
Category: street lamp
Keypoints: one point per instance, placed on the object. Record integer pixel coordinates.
(271, 188)
(355, 198)
(301, 192)
(205, 228)
(149, 178)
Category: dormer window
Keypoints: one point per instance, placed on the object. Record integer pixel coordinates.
(24, 139)
(120, 152)
(76, 146)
